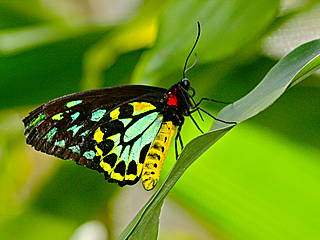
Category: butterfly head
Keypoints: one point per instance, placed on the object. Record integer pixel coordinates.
(179, 96)
(185, 83)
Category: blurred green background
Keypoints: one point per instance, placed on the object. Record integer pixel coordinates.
(259, 182)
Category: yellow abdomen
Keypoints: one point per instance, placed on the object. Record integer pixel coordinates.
(156, 155)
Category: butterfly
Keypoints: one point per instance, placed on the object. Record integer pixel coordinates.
(123, 132)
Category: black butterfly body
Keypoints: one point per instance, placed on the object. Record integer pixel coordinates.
(123, 132)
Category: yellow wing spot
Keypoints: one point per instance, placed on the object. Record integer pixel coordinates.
(99, 151)
(98, 135)
(156, 155)
(116, 176)
(58, 116)
(141, 107)
(130, 177)
(106, 166)
(139, 168)
(115, 114)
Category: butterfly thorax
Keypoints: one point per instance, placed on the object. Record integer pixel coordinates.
(177, 104)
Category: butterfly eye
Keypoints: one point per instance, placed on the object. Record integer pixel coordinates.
(186, 83)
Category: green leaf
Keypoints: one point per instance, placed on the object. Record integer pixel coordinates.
(291, 69)
(35, 36)
(226, 27)
(149, 225)
(44, 68)
(255, 184)
(36, 226)
(12, 18)
(75, 194)
(191, 152)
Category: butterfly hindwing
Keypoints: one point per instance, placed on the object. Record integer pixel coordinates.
(99, 127)
(123, 161)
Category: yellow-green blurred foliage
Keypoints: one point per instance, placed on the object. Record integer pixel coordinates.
(260, 182)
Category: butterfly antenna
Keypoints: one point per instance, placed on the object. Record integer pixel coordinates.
(196, 59)
(191, 51)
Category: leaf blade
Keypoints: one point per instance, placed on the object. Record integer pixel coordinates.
(290, 70)
(187, 157)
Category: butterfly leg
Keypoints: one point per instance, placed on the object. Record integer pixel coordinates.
(195, 123)
(178, 138)
(210, 100)
(217, 119)
(181, 142)
(176, 146)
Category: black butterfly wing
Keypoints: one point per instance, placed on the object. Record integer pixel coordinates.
(68, 127)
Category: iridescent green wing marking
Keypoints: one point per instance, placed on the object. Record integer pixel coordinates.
(122, 154)
(107, 130)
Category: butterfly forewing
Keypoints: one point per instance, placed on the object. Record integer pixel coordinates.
(109, 130)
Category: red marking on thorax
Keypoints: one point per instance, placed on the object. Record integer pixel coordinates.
(173, 100)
